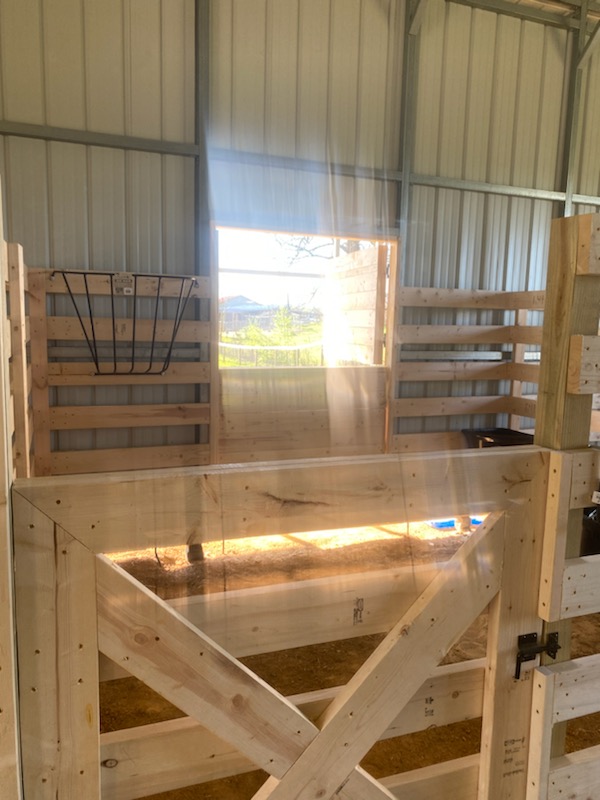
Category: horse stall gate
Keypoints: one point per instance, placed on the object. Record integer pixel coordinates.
(73, 600)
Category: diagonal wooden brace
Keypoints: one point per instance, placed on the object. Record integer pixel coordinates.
(140, 631)
(387, 680)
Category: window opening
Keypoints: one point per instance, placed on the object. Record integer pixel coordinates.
(300, 300)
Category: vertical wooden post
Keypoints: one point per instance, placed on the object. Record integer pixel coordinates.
(39, 373)
(563, 420)
(214, 428)
(518, 356)
(10, 773)
(58, 659)
(19, 378)
(505, 739)
(391, 342)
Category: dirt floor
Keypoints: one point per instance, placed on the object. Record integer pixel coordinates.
(275, 559)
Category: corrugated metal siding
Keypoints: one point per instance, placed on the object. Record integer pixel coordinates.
(108, 66)
(588, 178)
(305, 79)
(489, 105)
(116, 66)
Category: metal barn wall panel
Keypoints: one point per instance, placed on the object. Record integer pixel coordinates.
(110, 66)
(318, 80)
(588, 178)
(123, 67)
(490, 105)
(489, 97)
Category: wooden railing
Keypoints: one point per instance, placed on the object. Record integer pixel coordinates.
(461, 355)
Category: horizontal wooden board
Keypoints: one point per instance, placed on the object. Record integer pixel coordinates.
(457, 779)
(136, 510)
(83, 374)
(64, 328)
(575, 775)
(449, 406)
(169, 755)
(585, 477)
(133, 416)
(236, 452)
(301, 425)
(576, 687)
(469, 334)
(299, 613)
(583, 376)
(427, 442)
(466, 298)
(107, 460)
(581, 587)
(100, 284)
(464, 371)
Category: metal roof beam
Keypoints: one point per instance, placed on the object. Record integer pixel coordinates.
(95, 139)
(416, 17)
(590, 47)
(521, 12)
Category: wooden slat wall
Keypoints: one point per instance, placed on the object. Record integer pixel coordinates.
(280, 413)
(452, 353)
(61, 359)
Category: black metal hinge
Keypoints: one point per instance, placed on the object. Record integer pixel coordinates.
(528, 648)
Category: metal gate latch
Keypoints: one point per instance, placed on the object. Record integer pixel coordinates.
(528, 648)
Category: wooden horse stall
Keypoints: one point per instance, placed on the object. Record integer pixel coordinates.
(73, 600)
(396, 622)
(142, 339)
(461, 360)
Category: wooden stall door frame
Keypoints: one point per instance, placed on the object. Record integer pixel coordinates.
(64, 585)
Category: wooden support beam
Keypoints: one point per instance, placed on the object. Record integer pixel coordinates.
(39, 374)
(10, 768)
(136, 510)
(469, 334)
(580, 587)
(417, 407)
(84, 374)
(65, 418)
(505, 738)
(563, 421)
(387, 680)
(100, 284)
(558, 509)
(70, 462)
(20, 384)
(466, 371)
(464, 298)
(57, 645)
(69, 328)
(583, 374)
(572, 308)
